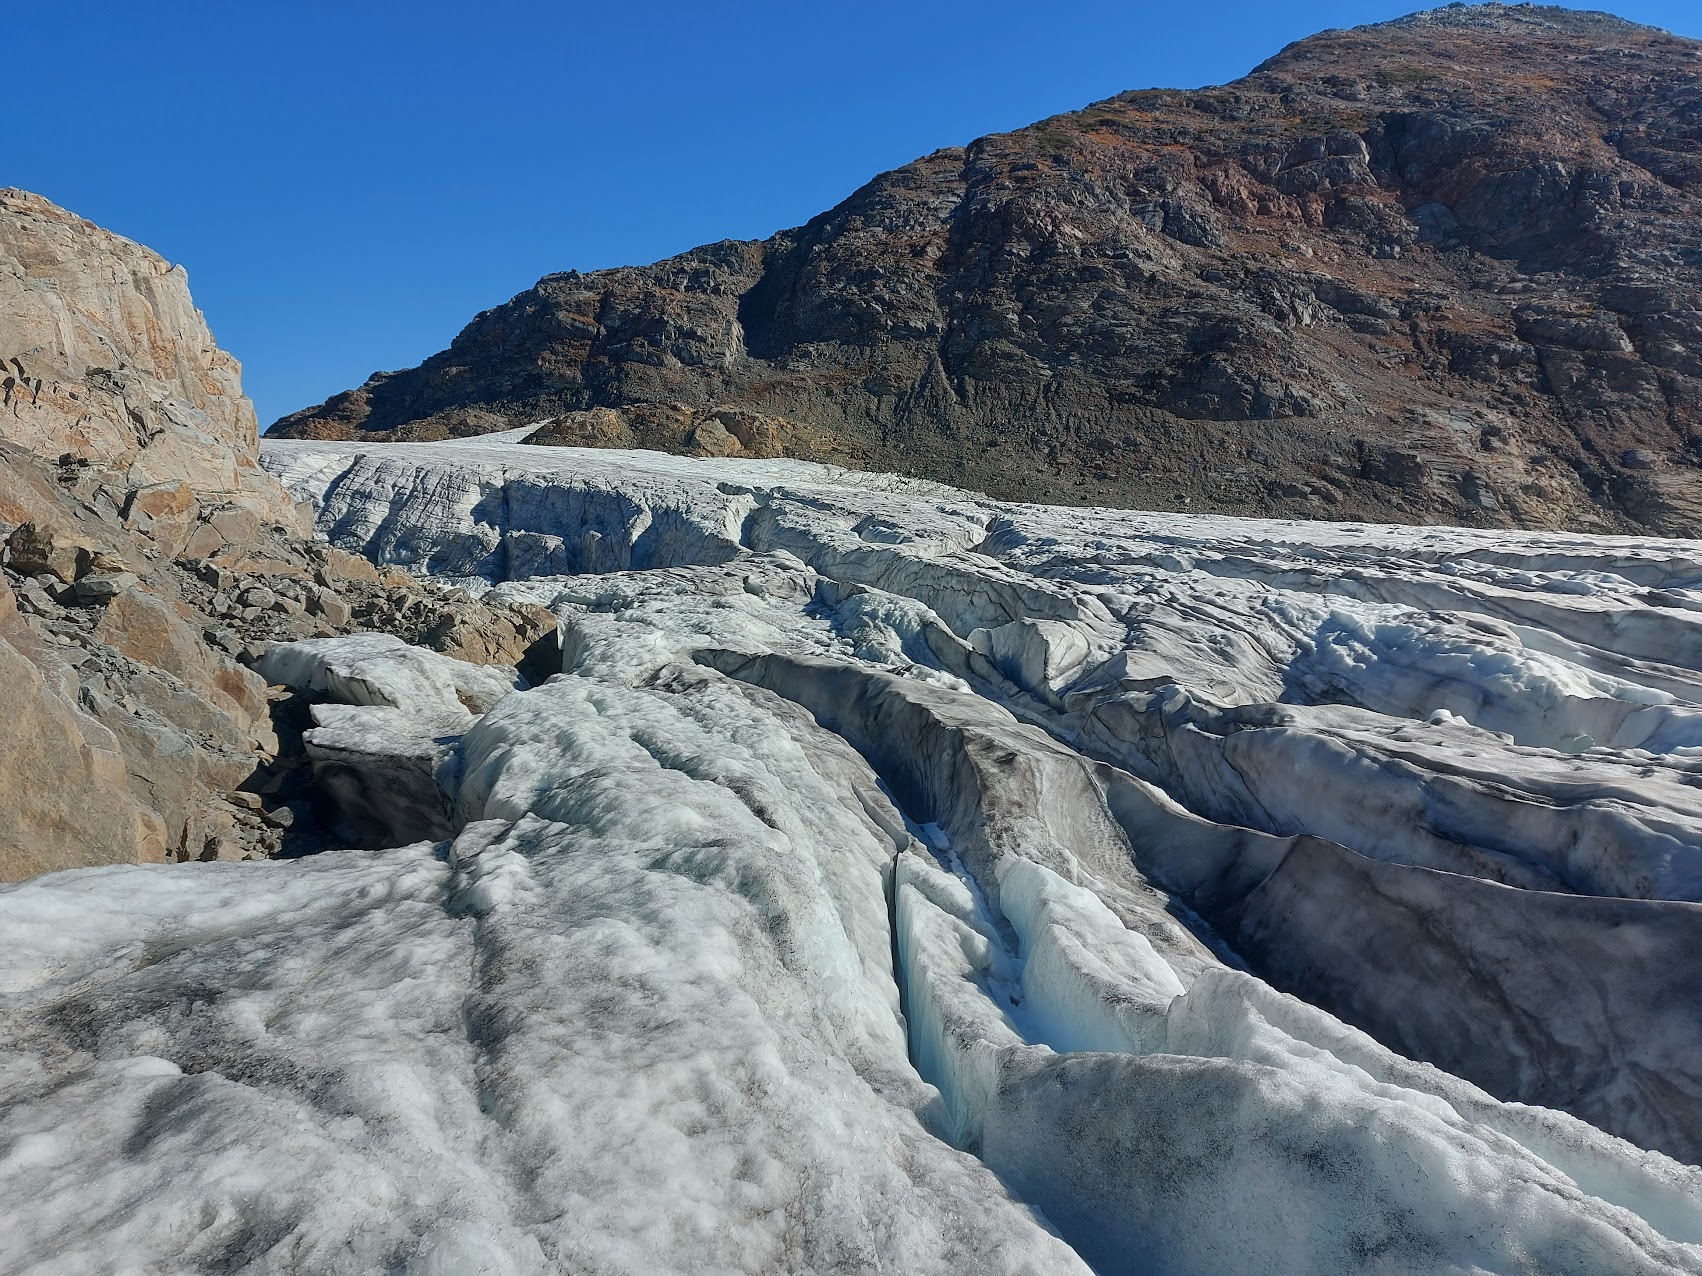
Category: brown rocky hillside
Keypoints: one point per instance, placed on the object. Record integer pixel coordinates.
(1447, 268)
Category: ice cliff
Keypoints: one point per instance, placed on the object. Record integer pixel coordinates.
(894, 880)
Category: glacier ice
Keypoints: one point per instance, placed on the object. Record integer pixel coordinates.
(383, 749)
(896, 880)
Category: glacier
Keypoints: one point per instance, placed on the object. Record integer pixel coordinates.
(897, 880)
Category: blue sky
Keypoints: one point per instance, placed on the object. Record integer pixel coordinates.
(348, 182)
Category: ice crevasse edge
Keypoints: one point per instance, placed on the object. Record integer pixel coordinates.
(899, 881)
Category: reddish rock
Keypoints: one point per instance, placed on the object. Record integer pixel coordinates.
(65, 799)
(339, 565)
(238, 526)
(110, 362)
(34, 550)
(159, 500)
(203, 542)
(149, 631)
(1479, 223)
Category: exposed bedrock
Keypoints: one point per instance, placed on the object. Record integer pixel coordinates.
(105, 359)
(66, 801)
(147, 559)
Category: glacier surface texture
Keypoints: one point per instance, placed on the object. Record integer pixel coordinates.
(897, 881)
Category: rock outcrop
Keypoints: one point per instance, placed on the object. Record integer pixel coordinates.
(106, 359)
(148, 561)
(1438, 269)
(66, 801)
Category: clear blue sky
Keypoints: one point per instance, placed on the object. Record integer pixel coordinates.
(349, 181)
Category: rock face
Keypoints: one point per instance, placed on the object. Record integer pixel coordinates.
(1438, 269)
(106, 358)
(66, 802)
(147, 560)
(151, 640)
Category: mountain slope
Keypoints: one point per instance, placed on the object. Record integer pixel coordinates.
(1443, 268)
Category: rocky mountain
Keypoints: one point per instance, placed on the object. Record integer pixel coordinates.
(665, 864)
(1446, 268)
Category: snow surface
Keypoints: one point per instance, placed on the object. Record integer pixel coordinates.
(895, 880)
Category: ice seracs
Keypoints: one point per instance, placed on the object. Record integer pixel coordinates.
(894, 880)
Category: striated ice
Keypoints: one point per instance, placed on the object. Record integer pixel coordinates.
(899, 881)
(382, 670)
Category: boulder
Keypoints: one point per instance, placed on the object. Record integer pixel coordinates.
(163, 512)
(65, 799)
(159, 500)
(150, 632)
(203, 542)
(27, 491)
(505, 634)
(35, 550)
(172, 770)
(99, 587)
(338, 566)
(238, 526)
(335, 610)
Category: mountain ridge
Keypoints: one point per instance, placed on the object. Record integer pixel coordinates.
(1436, 269)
